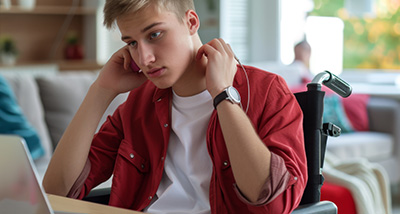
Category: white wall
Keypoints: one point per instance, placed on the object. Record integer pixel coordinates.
(264, 30)
(108, 41)
(209, 19)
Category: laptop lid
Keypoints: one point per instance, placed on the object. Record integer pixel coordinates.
(20, 190)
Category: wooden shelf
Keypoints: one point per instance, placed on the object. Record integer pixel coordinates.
(61, 65)
(40, 34)
(47, 10)
(78, 65)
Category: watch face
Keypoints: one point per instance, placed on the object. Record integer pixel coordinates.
(234, 94)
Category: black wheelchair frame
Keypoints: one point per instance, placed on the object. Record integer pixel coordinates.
(315, 138)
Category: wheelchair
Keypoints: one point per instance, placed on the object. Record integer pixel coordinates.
(315, 138)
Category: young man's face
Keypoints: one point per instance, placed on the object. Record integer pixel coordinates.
(159, 43)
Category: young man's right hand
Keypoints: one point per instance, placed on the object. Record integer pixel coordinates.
(117, 75)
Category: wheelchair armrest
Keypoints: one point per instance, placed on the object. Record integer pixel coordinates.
(322, 207)
(100, 196)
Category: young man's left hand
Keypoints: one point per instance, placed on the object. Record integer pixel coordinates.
(221, 65)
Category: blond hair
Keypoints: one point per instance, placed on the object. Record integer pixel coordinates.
(117, 8)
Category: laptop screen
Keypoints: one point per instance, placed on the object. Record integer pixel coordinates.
(20, 191)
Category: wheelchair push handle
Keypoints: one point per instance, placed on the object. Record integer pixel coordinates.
(333, 82)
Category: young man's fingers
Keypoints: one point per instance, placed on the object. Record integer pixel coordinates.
(217, 45)
(220, 46)
(205, 50)
(227, 48)
(200, 53)
(127, 58)
(230, 48)
(234, 55)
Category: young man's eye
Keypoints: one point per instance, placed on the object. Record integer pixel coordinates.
(155, 35)
(132, 43)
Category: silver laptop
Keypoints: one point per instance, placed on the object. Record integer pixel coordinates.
(20, 190)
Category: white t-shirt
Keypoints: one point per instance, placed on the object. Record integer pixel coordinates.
(184, 187)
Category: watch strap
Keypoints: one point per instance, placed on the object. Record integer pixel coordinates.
(219, 98)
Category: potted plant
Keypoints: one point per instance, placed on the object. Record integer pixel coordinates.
(73, 50)
(8, 51)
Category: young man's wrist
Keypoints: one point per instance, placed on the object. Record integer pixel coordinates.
(230, 93)
(217, 91)
(105, 93)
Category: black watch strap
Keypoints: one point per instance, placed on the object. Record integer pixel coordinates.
(219, 98)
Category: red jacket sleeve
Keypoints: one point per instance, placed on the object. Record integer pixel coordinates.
(100, 164)
(280, 127)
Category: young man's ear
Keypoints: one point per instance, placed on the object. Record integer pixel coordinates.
(192, 21)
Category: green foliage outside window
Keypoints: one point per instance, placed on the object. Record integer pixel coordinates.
(369, 42)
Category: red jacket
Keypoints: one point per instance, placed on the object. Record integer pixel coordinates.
(132, 146)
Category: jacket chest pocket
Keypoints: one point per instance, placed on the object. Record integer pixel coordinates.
(128, 157)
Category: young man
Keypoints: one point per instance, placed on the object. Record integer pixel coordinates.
(168, 148)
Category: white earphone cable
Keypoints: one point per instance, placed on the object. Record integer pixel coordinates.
(248, 84)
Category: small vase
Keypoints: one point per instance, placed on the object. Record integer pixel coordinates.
(27, 4)
(8, 59)
(7, 4)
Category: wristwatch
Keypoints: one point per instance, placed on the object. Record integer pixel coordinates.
(230, 94)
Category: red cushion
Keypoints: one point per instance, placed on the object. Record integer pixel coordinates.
(355, 107)
(339, 195)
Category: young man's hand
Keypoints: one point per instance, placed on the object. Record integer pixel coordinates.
(117, 75)
(221, 65)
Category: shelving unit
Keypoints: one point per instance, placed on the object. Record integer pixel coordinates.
(47, 10)
(39, 34)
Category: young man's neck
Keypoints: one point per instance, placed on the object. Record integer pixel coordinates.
(193, 81)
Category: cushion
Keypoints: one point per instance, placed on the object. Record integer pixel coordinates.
(334, 112)
(13, 120)
(371, 145)
(27, 95)
(356, 110)
(339, 195)
(62, 95)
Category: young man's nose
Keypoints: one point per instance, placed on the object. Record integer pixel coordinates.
(146, 55)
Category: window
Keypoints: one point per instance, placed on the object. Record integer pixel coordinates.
(234, 26)
(108, 41)
(325, 36)
(371, 34)
(292, 26)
